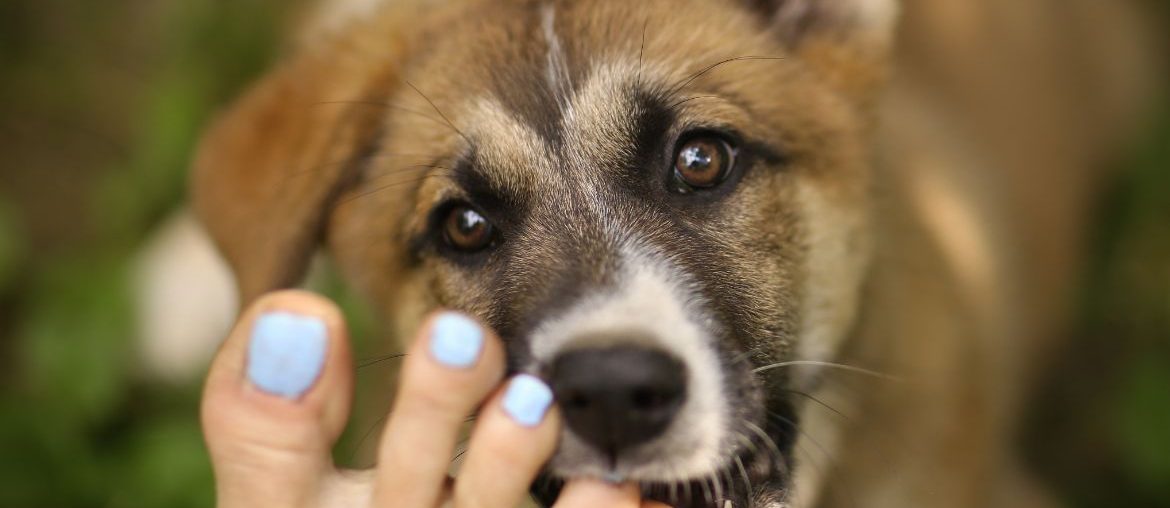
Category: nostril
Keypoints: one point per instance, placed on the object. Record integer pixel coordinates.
(650, 399)
(644, 399)
(575, 400)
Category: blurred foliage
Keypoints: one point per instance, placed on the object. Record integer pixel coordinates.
(1136, 306)
(103, 103)
(1101, 428)
(79, 423)
(11, 246)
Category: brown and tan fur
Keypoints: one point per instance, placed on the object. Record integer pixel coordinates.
(908, 224)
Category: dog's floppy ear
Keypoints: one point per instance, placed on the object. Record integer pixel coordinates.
(269, 168)
(848, 41)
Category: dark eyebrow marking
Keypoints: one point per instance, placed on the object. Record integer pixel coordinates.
(653, 124)
(765, 151)
(501, 203)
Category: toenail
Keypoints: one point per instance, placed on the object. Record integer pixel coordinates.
(527, 399)
(286, 353)
(456, 340)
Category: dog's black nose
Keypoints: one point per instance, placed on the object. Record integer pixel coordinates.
(618, 397)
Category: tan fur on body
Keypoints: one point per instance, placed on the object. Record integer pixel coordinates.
(915, 230)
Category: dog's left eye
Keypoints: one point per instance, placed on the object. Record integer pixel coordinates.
(702, 162)
(467, 230)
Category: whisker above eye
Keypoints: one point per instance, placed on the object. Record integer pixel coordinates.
(440, 112)
(351, 160)
(385, 105)
(690, 79)
(392, 185)
(642, 47)
(689, 99)
(407, 169)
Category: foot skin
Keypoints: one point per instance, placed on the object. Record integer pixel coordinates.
(278, 395)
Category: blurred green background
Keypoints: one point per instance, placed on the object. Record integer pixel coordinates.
(100, 104)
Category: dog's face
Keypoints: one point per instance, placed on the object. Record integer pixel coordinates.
(649, 201)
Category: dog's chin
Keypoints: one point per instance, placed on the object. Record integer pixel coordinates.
(728, 477)
(727, 483)
(680, 454)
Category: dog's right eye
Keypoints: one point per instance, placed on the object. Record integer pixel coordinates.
(466, 229)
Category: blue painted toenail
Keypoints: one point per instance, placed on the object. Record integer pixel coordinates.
(456, 340)
(286, 353)
(527, 399)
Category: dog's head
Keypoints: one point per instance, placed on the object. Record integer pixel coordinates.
(649, 201)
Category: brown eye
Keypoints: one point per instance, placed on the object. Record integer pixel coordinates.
(703, 162)
(466, 229)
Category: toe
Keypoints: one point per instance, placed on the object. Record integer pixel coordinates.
(514, 436)
(590, 493)
(449, 370)
(277, 397)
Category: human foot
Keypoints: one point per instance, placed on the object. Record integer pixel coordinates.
(278, 395)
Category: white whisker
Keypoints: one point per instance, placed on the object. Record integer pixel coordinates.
(747, 482)
(769, 442)
(815, 363)
(718, 482)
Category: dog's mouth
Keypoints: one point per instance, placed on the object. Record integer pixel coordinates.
(736, 482)
(759, 466)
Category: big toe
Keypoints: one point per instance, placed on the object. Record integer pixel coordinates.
(277, 397)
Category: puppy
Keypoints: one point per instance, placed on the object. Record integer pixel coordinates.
(753, 269)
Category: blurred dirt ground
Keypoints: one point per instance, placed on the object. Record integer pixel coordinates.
(101, 103)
